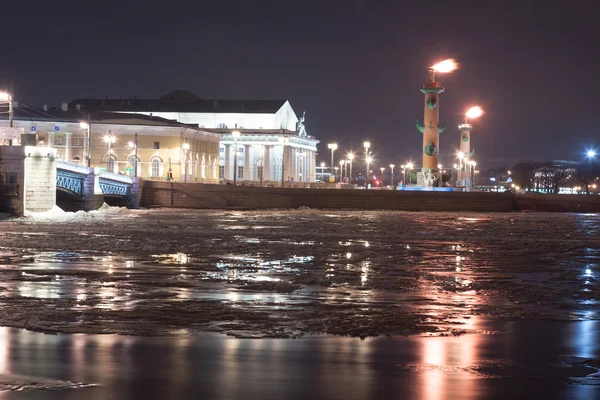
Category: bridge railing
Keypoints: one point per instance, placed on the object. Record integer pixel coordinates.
(116, 177)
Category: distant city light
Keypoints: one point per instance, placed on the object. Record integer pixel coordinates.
(591, 153)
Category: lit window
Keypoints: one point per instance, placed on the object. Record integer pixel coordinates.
(240, 171)
(221, 172)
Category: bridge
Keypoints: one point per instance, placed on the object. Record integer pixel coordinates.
(91, 185)
(38, 180)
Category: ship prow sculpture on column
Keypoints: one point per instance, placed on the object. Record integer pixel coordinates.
(430, 176)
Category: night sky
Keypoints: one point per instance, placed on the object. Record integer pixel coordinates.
(354, 66)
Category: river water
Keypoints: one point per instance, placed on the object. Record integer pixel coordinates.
(459, 279)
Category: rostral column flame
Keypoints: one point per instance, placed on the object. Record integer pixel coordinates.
(465, 131)
(431, 128)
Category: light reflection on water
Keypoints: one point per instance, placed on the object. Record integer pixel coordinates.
(444, 267)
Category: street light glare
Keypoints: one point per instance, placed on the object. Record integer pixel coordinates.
(369, 159)
(474, 112)
(591, 153)
(235, 134)
(350, 156)
(367, 145)
(409, 165)
(448, 65)
(4, 96)
(392, 165)
(84, 125)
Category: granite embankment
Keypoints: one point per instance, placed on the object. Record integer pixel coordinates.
(197, 195)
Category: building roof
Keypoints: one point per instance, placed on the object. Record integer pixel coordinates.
(180, 101)
(95, 116)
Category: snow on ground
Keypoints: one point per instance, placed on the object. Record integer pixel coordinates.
(285, 273)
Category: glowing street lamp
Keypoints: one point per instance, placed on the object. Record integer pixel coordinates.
(322, 171)
(87, 141)
(409, 167)
(382, 169)
(350, 159)
(367, 146)
(236, 136)
(134, 146)
(392, 175)
(591, 155)
(333, 147)
(367, 173)
(109, 139)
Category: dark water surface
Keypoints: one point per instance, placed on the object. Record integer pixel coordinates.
(288, 273)
(527, 360)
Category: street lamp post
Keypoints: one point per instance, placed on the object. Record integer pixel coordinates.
(367, 146)
(87, 141)
(134, 145)
(109, 139)
(392, 175)
(382, 169)
(368, 172)
(409, 166)
(350, 159)
(186, 147)
(236, 136)
(333, 147)
(591, 154)
(322, 171)
(341, 178)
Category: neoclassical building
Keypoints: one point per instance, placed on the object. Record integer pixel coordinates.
(271, 139)
(162, 148)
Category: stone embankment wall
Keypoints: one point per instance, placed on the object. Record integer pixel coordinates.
(197, 195)
(27, 178)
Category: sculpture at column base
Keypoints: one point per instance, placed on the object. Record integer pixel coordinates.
(428, 178)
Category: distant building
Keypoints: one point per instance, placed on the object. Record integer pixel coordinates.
(266, 128)
(160, 143)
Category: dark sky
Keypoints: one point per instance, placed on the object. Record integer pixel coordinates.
(354, 66)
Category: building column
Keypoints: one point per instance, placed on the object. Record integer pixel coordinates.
(247, 174)
(227, 175)
(267, 164)
(313, 166)
(289, 163)
(51, 139)
(297, 165)
(308, 166)
(68, 146)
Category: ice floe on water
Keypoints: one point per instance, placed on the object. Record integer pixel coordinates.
(57, 214)
(284, 273)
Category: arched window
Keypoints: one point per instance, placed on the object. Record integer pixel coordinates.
(76, 159)
(155, 168)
